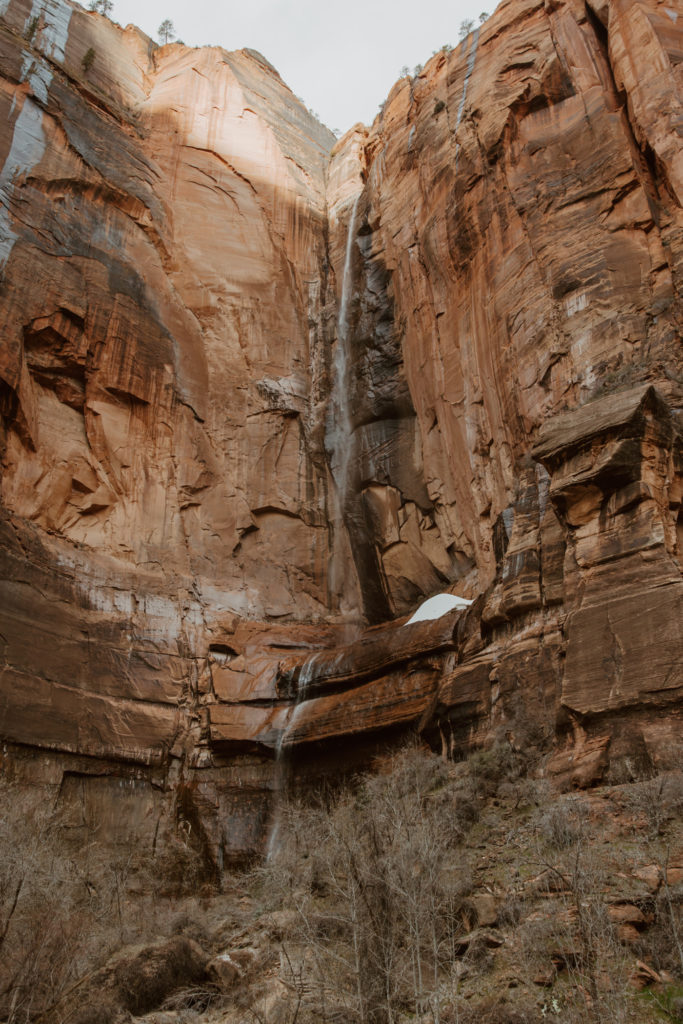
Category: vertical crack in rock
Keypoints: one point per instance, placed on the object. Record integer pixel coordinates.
(468, 74)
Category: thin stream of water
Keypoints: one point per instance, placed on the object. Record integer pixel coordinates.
(340, 434)
(339, 431)
(281, 774)
(338, 443)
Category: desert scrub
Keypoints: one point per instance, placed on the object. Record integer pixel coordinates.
(560, 825)
(376, 878)
(64, 908)
(657, 801)
(500, 763)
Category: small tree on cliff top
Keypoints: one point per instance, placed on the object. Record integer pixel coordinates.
(166, 31)
(102, 6)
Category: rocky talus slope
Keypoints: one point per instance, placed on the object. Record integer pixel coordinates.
(262, 392)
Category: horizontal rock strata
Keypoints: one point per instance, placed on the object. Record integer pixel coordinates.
(262, 392)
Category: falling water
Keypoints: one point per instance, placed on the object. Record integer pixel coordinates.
(279, 781)
(340, 425)
(340, 428)
(281, 775)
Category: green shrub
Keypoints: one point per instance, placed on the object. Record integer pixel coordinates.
(31, 29)
(87, 61)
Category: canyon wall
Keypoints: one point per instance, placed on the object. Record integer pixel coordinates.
(262, 393)
(517, 331)
(164, 281)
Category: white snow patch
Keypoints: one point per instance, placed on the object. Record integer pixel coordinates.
(437, 606)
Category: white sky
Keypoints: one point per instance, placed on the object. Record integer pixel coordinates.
(341, 58)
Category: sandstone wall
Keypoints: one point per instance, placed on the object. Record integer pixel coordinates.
(518, 257)
(234, 431)
(163, 365)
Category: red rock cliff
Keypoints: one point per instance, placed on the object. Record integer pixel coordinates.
(253, 393)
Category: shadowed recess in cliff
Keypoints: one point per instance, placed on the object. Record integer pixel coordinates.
(373, 438)
(339, 439)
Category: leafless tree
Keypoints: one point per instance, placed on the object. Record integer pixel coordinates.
(377, 860)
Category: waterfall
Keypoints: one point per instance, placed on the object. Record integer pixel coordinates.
(280, 784)
(281, 774)
(339, 430)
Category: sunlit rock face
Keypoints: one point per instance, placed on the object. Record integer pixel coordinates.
(163, 367)
(236, 433)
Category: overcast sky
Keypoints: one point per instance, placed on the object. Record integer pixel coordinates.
(341, 58)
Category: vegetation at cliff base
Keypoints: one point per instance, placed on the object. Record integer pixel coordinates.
(425, 891)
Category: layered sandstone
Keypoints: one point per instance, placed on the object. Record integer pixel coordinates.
(163, 362)
(258, 392)
(518, 258)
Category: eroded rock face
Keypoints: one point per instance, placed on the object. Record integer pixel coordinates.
(235, 431)
(517, 289)
(162, 371)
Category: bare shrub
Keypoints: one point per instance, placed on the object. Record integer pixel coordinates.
(492, 1011)
(560, 826)
(178, 868)
(101, 1011)
(658, 800)
(500, 763)
(523, 792)
(64, 909)
(466, 807)
(537, 941)
(190, 925)
(143, 982)
(196, 998)
(511, 910)
(584, 940)
(46, 916)
(379, 858)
